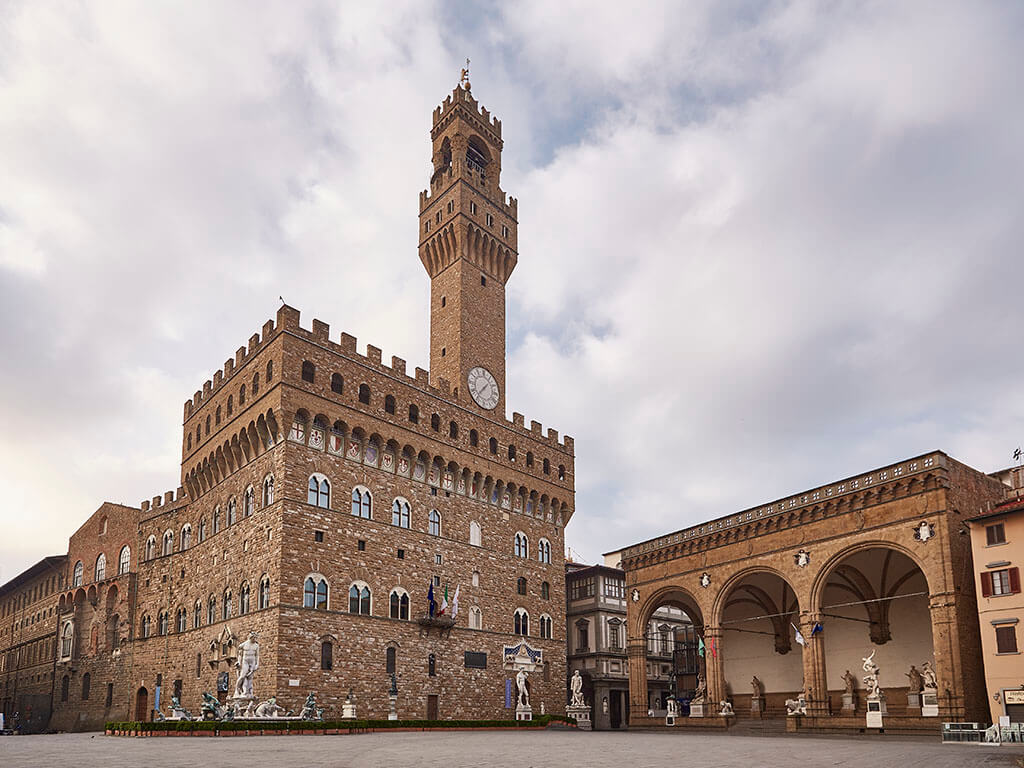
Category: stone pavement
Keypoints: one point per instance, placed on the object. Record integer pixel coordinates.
(557, 749)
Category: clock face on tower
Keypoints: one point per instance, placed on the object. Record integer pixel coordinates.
(483, 387)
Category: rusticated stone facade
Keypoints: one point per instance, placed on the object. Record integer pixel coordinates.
(311, 473)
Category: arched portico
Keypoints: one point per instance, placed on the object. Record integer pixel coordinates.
(639, 645)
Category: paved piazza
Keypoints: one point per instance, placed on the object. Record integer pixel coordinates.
(559, 749)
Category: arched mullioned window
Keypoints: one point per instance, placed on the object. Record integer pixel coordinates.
(225, 609)
(521, 585)
(211, 610)
(181, 620)
(389, 404)
(337, 384)
(545, 590)
(268, 490)
(270, 371)
(435, 422)
(186, 536)
(493, 445)
(202, 530)
(521, 622)
(76, 579)
(400, 515)
(319, 491)
(163, 622)
(315, 592)
(264, 596)
(414, 414)
(476, 618)
(216, 519)
(453, 430)
(475, 536)
(243, 599)
(249, 501)
(362, 502)
(151, 547)
(168, 546)
(399, 603)
(241, 395)
(255, 384)
(147, 626)
(545, 626)
(474, 438)
(216, 418)
(364, 394)
(100, 572)
(231, 404)
(359, 598)
(124, 562)
(309, 371)
(544, 551)
(67, 637)
(434, 525)
(522, 545)
(197, 614)
(232, 511)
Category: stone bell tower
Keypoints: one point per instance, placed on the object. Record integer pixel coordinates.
(468, 246)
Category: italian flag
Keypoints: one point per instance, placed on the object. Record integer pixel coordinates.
(444, 602)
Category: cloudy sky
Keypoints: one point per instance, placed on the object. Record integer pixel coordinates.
(762, 246)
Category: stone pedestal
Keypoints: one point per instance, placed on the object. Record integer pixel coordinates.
(581, 715)
(875, 712)
(392, 707)
(913, 701)
(849, 705)
(697, 710)
(757, 706)
(348, 710)
(524, 712)
(929, 703)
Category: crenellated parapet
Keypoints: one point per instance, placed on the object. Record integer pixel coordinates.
(287, 321)
(461, 101)
(168, 499)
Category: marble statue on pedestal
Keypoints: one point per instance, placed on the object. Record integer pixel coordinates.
(871, 678)
(523, 696)
(700, 695)
(928, 679)
(578, 709)
(247, 664)
(576, 684)
(726, 709)
(929, 693)
(850, 686)
(916, 682)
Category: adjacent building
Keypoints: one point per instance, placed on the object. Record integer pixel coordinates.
(596, 644)
(997, 539)
(323, 494)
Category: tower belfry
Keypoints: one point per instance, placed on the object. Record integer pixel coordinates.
(468, 247)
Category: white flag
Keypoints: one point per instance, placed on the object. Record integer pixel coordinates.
(799, 637)
(455, 602)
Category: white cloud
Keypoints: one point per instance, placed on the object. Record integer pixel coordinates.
(760, 249)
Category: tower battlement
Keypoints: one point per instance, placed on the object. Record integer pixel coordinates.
(461, 97)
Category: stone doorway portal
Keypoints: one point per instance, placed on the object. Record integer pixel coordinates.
(432, 707)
